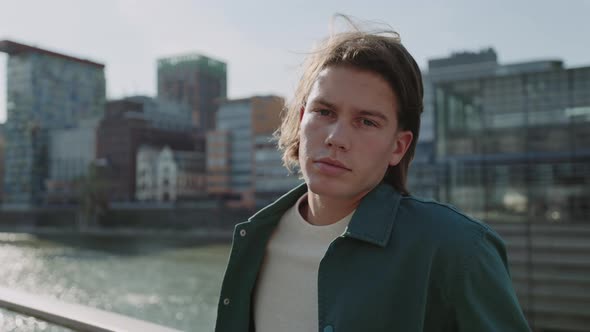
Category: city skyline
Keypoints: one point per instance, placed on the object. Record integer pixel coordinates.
(129, 36)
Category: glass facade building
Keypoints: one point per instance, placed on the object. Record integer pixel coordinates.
(505, 142)
(515, 146)
(235, 118)
(423, 176)
(165, 114)
(45, 91)
(272, 179)
(242, 161)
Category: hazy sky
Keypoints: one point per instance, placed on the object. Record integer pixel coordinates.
(264, 42)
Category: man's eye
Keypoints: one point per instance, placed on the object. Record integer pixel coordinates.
(369, 123)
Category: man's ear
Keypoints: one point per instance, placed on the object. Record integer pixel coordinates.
(403, 139)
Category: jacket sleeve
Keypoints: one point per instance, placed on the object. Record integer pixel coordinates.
(482, 297)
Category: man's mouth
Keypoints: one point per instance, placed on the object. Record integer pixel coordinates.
(332, 163)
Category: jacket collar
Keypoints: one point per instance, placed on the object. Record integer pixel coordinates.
(372, 221)
(273, 212)
(375, 216)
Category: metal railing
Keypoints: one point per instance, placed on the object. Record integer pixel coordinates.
(73, 316)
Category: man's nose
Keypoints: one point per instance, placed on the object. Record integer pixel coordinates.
(338, 136)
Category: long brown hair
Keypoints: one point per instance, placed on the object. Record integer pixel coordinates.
(379, 52)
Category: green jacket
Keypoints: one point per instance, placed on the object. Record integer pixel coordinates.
(403, 265)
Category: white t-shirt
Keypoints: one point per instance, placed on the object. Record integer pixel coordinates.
(286, 294)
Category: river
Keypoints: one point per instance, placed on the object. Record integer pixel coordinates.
(172, 283)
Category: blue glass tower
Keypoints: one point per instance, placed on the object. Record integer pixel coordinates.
(45, 91)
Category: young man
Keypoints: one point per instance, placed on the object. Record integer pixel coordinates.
(351, 250)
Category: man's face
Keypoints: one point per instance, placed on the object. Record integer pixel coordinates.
(349, 133)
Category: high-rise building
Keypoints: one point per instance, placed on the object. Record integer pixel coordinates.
(241, 159)
(194, 80)
(45, 91)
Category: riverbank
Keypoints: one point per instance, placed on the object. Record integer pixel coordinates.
(214, 234)
(130, 241)
(184, 225)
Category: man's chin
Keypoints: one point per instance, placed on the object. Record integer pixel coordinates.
(328, 189)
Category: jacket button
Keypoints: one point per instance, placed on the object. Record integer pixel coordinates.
(242, 232)
(226, 301)
(328, 328)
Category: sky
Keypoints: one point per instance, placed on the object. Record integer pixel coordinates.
(265, 42)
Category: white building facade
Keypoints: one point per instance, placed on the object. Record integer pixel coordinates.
(165, 175)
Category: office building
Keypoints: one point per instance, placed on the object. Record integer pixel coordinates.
(514, 146)
(71, 153)
(423, 178)
(194, 80)
(123, 130)
(45, 91)
(241, 159)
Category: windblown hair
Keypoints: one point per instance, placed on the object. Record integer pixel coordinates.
(379, 52)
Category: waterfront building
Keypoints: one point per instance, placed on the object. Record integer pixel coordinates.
(241, 159)
(71, 153)
(166, 175)
(164, 114)
(194, 80)
(423, 178)
(45, 91)
(514, 146)
(271, 178)
(124, 128)
(218, 163)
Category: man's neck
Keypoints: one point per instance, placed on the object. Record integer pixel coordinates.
(322, 211)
